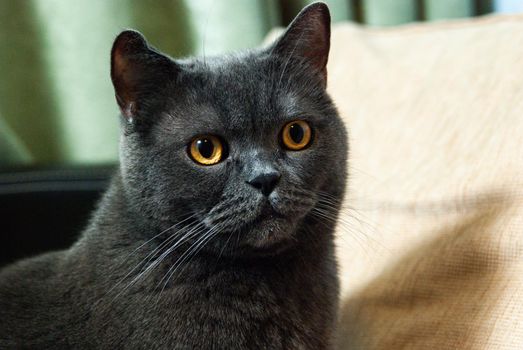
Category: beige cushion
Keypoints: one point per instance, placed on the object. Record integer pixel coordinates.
(431, 238)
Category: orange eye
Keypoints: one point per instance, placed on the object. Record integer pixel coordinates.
(296, 135)
(206, 150)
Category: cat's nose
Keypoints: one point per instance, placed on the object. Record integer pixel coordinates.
(265, 182)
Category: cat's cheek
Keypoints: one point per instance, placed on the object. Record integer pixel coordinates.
(305, 168)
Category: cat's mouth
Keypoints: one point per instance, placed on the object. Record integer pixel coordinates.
(266, 229)
(267, 212)
(261, 223)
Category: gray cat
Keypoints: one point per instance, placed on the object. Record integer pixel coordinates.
(217, 229)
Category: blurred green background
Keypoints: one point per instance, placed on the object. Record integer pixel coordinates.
(56, 100)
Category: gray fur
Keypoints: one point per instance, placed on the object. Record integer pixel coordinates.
(260, 281)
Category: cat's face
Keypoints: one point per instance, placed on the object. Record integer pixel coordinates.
(243, 146)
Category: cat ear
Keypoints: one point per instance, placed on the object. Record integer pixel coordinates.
(308, 38)
(137, 71)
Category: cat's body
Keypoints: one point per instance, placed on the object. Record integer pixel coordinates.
(181, 255)
(218, 303)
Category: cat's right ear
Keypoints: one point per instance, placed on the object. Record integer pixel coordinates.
(137, 71)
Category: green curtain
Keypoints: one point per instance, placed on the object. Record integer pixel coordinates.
(56, 98)
(12, 150)
(444, 9)
(389, 12)
(55, 91)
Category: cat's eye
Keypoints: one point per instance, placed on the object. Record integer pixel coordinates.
(207, 150)
(296, 135)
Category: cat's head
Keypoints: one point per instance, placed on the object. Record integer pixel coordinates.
(241, 147)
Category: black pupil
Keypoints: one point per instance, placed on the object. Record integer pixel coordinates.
(205, 147)
(296, 133)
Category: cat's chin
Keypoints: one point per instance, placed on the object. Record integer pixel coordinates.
(271, 231)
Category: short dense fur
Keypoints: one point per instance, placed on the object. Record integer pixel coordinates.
(250, 280)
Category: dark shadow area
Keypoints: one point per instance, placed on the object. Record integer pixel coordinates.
(44, 209)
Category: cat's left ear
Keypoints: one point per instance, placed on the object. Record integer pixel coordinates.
(138, 72)
(308, 38)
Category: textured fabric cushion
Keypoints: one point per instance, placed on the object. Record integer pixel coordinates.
(431, 238)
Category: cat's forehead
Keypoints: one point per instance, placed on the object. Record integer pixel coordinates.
(247, 77)
(239, 92)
